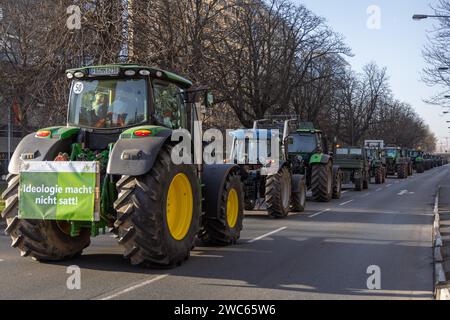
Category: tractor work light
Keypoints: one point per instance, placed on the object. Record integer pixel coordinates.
(130, 73)
(79, 74)
(144, 72)
(70, 75)
(142, 133)
(43, 134)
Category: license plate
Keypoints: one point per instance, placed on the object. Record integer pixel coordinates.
(106, 71)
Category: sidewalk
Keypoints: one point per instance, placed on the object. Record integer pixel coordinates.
(441, 243)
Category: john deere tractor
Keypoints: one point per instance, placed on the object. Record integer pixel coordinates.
(417, 160)
(377, 161)
(309, 155)
(396, 162)
(111, 167)
(267, 179)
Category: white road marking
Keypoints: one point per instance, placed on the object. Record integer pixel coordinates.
(366, 195)
(403, 192)
(140, 285)
(344, 191)
(379, 189)
(267, 234)
(1, 260)
(343, 204)
(388, 185)
(317, 213)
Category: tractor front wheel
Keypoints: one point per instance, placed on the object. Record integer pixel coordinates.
(41, 240)
(379, 173)
(322, 182)
(158, 214)
(299, 198)
(225, 226)
(278, 193)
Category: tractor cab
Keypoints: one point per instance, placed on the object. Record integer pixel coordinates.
(307, 141)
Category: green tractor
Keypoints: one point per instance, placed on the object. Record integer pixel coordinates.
(396, 162)
(377, 161)
(417, 160)
(122, 119)
(354, 164)
(268, 180)
(309, 154)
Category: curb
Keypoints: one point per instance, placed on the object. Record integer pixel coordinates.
(441, 285)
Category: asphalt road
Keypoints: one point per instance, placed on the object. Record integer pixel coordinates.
(323, 253)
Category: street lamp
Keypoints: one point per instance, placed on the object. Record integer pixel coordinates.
(419, 17)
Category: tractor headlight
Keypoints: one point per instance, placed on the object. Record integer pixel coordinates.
(130, 73)
(79, 74)
(144, 73)
(69, 75)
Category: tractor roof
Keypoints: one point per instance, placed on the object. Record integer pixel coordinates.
(154, 72)
(307, 127)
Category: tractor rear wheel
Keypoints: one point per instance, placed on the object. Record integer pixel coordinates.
(401, 174)
(278, 193)
(225, 229)
(337, 185)
(41, 240)
(419, 167)
(158, 214)
(379, 175)
(298, 201)
(322, 182)
(366, 182)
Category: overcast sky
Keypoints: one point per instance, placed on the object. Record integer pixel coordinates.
(397, 45)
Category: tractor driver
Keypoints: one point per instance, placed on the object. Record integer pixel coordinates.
(100, 109)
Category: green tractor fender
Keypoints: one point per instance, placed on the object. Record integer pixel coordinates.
(42, 148)
(213, 178)
(135, 156)
(419, 159)
(319, 158)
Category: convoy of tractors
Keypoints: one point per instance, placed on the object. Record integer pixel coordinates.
(123, 118)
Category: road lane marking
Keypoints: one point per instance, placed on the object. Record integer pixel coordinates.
(343, 204)
(1, 260)
(344, 191)
(366, 195)
(388, 185)
(140, 285)
(403, 192)
(267, 234)
(317, 213)
(379, 189)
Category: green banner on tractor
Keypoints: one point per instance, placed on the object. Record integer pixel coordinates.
(59, 191)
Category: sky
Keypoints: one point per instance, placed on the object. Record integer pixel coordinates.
(397, 44)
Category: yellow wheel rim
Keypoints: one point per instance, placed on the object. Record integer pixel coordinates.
(232, 208)
(179, 206)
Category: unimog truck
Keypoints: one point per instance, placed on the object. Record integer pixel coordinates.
(111, 167)
(309, 154)
(354, 164)
(268, 180)
(396, 162)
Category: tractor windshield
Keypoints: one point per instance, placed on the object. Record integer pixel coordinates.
(302, 143)
(391, 153)
(111, 103)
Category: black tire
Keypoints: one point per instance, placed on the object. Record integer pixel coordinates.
(298, 201)
(366, 181)
(41, 240)
(420, 167)
(384, 174)
(218, 230)
(358, 184)
(337, 185)
(142, 219)
(278, 193)
(379, 175)
(401, 174)
(322, 182)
